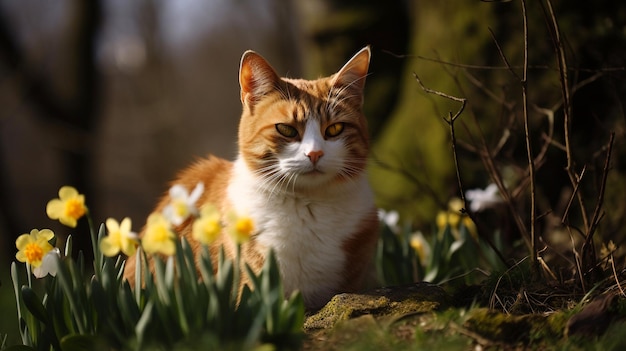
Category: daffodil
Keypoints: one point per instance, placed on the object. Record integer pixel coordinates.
(159, 237)
(390, 218)
(481, 200)
(34, 246)
(455, 218)
(119, 238)
(240, 228)
(182, 204)
(208, 227)
(68, 208)
(48, 266)
(422, 248)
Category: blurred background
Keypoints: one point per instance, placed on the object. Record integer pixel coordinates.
(113, 97)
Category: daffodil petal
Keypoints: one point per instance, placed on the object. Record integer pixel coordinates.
(67, 192)
(68, 221)
(178, 192)
(196, 193)
(108, 248)
(128, 247)
(23, 240)
(55, 209)
(46, 234)
(112, 225)
(125, 225)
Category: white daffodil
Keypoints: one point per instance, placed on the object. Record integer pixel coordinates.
(182, 204)
(390, 218)
(48, 266)
(483, 199)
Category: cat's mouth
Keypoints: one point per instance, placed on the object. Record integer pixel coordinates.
(314, 172)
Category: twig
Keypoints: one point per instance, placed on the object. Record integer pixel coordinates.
(619, 286)
(463, 101)
(597, 216)
(529, 151)
(571, 199)
(450, 121)
(567, 108)
(501, 68)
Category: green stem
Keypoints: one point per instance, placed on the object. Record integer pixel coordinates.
(97, 256)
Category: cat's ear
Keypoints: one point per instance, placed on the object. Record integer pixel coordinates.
(352, 75)
(256, 78)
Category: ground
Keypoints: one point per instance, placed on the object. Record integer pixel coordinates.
(424, 316)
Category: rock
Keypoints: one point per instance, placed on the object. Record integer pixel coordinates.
(381, 302)
(594, 318)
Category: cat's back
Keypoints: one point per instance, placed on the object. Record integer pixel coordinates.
(213, 172)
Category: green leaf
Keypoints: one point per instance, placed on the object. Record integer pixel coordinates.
(139, 255)
(31, 300)
(128, 306)
(68, 246)
(16, 288)
(78, 342)
(19, 348)
(144, 321)
(161, 286)
(206, 266)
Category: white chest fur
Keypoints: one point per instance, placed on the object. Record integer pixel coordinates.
(306, 231)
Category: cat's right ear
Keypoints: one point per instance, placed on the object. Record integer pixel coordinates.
(256, 78)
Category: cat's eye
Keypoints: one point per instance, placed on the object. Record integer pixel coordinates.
(286, 130)
(334, 129)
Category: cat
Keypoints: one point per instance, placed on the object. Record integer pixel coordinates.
(301, 177)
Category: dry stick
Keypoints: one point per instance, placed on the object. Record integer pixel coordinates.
(450, 121)
(597, 216)
(502, 68)
(619, 286)
(531, 164)
(529, 151)
(488, 161)
(567, 108)
(571, 200)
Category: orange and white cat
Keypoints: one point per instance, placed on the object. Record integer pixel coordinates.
(300, 175)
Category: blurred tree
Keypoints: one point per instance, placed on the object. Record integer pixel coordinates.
(334, 30)
(67, 103)
(452, 51)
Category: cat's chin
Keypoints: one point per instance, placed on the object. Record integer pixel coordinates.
(313, 180)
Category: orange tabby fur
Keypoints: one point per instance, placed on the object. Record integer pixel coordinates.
(336, 174)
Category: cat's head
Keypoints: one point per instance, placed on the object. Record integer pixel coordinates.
(299, 134)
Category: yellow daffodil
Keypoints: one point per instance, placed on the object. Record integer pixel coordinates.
(182, 204)
(421, 247)
(454, 218)
(240, 228)
(68, 208)
(48, 266)
(34, 246)
(208, 227)
(119, 238)
(159, 237)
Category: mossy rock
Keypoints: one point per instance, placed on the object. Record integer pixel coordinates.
(501, 327)
(381, 302)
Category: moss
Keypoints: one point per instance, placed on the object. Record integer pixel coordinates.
(498, 326)
(397, 301)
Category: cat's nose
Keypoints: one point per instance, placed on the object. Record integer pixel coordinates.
(315, 155)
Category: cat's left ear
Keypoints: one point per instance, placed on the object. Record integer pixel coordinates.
(256, 78)
(352, 75)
